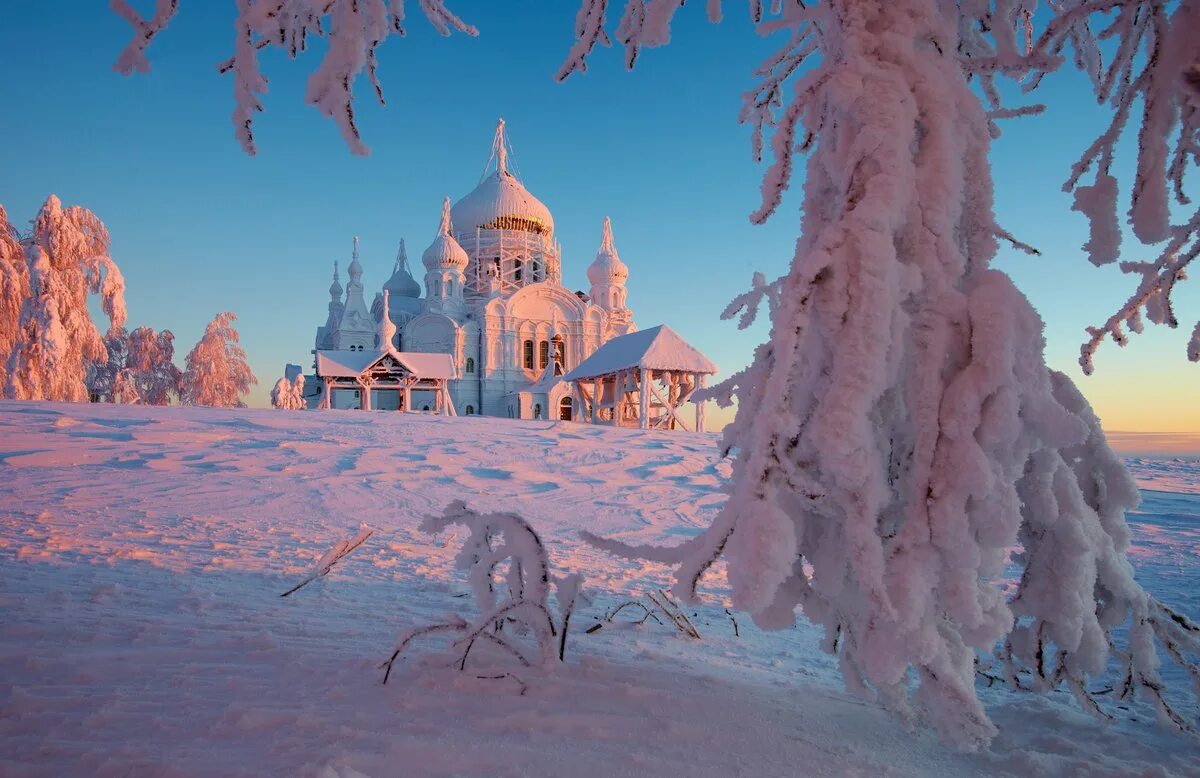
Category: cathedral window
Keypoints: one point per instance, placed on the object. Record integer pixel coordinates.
(517, 264)
(537, 270)
(470, 365)
(560, 354)
(527, 355)
(543, 354)
(537, 410)
(564, 409)
(470, 410)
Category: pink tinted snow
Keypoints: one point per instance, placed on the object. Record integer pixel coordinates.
(142, 552)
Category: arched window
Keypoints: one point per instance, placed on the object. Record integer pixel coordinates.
(537, 410)
(527, 355)
(470, 410)
(470, 365)
(560, 354)
(437, 288)
(537, 270)
(543, 354)
(564, 408)
(517, 264)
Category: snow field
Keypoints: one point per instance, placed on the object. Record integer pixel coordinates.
(142, 552)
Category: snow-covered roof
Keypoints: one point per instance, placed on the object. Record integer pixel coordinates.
(348, 364)
(501, 201)
(658, 348)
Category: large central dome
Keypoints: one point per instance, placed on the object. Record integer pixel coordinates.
(501, 202)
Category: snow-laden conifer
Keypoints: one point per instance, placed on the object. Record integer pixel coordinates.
(68, 259)
(216, 372)
(900, 432)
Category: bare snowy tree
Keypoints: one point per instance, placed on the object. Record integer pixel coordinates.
(68, 259)
(140, 365)
(502, 555)
(900, 431)
(102, 375)
(151, 363)
(217, 373)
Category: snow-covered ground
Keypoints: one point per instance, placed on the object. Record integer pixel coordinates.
(142, 552)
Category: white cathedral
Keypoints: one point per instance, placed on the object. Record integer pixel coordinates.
(496, 332)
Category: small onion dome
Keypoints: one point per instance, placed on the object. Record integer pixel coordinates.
(355, 268)
(402, 284)
(444, 252)
(607, 268)
(501, 201)
(335, 289)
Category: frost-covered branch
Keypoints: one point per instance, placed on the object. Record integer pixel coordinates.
(334, 555)
(509, 574)
(353, 29)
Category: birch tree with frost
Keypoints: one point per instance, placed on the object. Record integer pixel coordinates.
(217, 374)
(151, 364)
(900, 431)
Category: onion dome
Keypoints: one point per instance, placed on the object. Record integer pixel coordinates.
(607, 268)
(335, 289)
(444, 253)
(402, 284)
(501, 201)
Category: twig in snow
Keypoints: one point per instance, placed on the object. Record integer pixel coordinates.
(333, 556)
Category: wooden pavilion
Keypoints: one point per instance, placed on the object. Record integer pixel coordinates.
(641, 380)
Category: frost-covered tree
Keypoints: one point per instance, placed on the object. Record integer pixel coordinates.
(217, 373)
(14, 289)
(288, 394)
(68, 259)
(900, 431)
(139, 363)
(151, 363)
(102, 375)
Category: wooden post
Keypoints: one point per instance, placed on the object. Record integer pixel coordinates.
(699, 404)
(647, 376)
(326, 399)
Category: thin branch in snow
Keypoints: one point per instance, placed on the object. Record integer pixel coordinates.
(333, 556)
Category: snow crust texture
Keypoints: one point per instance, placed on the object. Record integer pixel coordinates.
(143, 551)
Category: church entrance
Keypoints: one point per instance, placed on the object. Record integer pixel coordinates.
(565, 407)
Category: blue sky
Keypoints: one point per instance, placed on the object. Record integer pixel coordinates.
(199, 227)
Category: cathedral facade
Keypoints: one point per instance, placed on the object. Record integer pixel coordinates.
(492, 300)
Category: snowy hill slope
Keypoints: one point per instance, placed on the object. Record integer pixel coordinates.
(142, 552)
